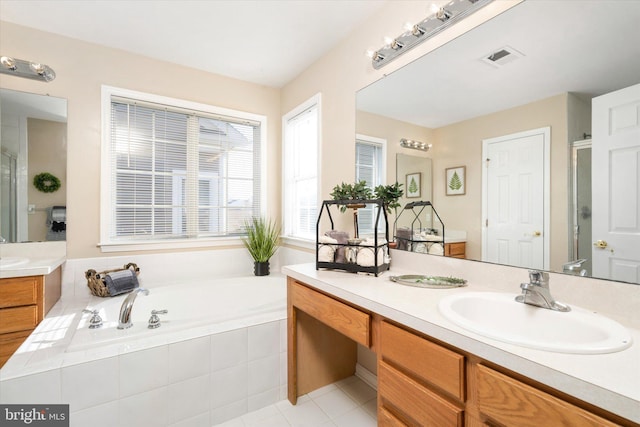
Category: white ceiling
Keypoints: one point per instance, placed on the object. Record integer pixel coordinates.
(268, 42)
(586, 47)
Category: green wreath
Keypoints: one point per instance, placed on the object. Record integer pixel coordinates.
(46, 182)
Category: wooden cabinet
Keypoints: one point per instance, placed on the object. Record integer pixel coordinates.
(24, 301)
(421, 382)
(322, 333)
(455, 250)
(508, 401)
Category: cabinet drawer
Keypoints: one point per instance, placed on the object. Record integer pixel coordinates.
(417, 402)
(9, 343)
(511, 402)
(387, 419)
(18, 291)
(345, 319)
(426, 360)
(455, 249)
(18, 318)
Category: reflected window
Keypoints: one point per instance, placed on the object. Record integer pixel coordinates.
(370, 168)
(179, 173)
(301, 147)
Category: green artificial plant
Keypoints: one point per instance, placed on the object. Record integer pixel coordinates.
(263, 238)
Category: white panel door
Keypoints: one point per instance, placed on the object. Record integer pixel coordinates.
(616, 185)
(514, 205)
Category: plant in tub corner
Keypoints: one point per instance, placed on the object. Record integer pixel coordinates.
(262, 241)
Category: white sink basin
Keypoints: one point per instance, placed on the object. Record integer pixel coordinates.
(499, 316)
(12, 261)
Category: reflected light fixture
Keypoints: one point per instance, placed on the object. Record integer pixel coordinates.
(27, 69)
(439, 19)
(416, 145)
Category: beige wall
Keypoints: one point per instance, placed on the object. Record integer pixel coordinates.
(47, 142)
(81, 69)
(460, 144)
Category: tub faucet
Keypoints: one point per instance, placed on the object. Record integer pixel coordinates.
(537, 292)
(126, 307)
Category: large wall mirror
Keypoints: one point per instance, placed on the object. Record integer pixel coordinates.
(528, 73)
(33, 142)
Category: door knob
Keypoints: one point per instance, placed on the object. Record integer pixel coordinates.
(600, 244)
(537, 234)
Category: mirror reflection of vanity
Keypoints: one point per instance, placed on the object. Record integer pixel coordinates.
(544, 71)
(33, 141)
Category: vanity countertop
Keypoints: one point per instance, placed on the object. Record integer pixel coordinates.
(41, 258)
(609, 381)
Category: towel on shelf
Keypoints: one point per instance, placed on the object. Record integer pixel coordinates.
(120, 282)
(404, 235)
(436, 249)
(366, 253)
(420, 248)
(326, 251)
(341, 237)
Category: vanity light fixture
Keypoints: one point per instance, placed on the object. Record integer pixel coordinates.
(27, 69)
(416, 145)
(439, 19)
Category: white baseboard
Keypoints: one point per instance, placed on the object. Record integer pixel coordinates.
(367, 376)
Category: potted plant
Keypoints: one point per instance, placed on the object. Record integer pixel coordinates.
(263, 238)
(356, 192)
(390, 194)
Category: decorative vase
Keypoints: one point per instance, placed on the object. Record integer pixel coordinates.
(261, 268)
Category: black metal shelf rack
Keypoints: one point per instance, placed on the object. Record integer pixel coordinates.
(349, 266)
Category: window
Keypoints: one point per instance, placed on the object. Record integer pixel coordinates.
(177, 171)
(300, 159)
(370, 168)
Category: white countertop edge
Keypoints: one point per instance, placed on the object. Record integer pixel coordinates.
(486, 348)
(35, 267)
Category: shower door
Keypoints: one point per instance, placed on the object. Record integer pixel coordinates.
(8, 196)
(581, 202)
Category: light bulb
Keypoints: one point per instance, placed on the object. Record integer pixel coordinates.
(8, 62)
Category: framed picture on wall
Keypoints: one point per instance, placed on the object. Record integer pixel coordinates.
(413, 185)
(455, 180)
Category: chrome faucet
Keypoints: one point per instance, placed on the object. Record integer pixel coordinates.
(126, 307)
(537, 292)
(575, 267)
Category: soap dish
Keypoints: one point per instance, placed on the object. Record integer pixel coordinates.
(433, 282)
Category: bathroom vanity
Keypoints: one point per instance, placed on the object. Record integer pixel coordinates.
(30, 284)
(431, 372)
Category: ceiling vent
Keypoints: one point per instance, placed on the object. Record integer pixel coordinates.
(501, 57)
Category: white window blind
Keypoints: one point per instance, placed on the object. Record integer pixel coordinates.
(301, 173)
(178, 173)
(369, 166)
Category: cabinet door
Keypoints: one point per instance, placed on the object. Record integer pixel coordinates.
(387, 419)
(511, 402)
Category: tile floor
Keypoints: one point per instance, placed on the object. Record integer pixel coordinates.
(347, 403)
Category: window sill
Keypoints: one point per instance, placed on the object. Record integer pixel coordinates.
(144, 245)
(298, 242)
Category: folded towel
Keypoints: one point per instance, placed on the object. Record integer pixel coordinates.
(326, 253)
(327, 239)
(366, 256)
(56, 213)
(120, 282)
(341, 237)
(420, 248)
(436, 249)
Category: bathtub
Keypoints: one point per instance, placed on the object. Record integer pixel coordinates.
(220, 352)
(194, 309)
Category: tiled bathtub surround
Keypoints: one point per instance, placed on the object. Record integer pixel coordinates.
(198, 382)
(198, 377)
